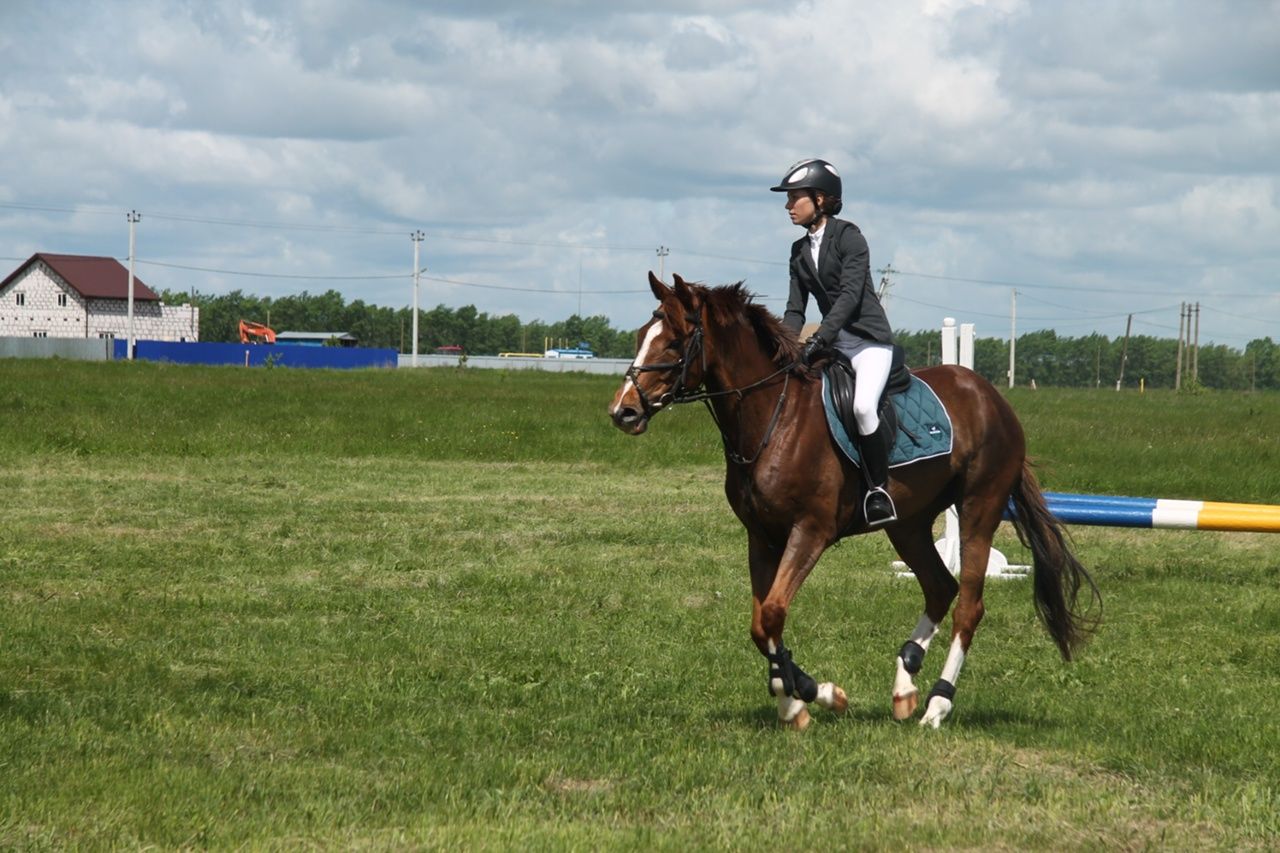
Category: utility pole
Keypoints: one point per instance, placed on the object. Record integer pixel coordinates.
(1195, 350)
(1124, 351)
(1013, 332)
(1183, 317)
(133, 216)
(885, 282)
(662, 252)
(416, 237)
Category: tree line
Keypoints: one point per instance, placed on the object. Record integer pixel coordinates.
(1042, 356)
(477, 332)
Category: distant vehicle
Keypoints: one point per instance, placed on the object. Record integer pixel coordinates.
(582, 350)
(256, 333)
(450, 349)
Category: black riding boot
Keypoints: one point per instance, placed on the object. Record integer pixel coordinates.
(877, 506)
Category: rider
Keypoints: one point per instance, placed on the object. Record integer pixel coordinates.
(832, 262)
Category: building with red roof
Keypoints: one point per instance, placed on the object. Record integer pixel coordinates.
(84, 296)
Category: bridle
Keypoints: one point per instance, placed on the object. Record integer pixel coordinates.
(694, 351)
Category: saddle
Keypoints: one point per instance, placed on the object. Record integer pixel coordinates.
(922, 427)
(841, 380)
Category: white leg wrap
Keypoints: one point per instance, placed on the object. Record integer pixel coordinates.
(826, 695)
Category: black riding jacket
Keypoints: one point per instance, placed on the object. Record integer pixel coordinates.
(843, 287)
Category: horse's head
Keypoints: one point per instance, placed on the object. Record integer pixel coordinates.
(670, 357)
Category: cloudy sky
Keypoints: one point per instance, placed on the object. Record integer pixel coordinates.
(1101, 158)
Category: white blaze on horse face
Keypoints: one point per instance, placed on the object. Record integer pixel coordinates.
(642, 356)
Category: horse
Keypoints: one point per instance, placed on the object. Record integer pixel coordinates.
(796, 494)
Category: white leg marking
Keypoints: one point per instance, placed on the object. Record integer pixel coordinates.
(832, 697)
(955, 660)
(904, 682)
(926, 628)
(940, 707)
(789, 707)
(775, 684)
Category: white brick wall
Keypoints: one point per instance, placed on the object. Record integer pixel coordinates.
(40, 313)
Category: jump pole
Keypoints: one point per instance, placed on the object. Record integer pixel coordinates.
(957, 348)
(1161, 513)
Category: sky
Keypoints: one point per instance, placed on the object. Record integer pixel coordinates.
(1100, 159)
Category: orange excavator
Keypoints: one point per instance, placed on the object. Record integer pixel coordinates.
(256, 333)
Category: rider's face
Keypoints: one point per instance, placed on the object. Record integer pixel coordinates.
(801, 207)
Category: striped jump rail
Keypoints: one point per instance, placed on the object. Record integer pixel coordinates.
(1163, 513)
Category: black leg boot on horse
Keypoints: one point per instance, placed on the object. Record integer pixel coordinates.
(877, 506)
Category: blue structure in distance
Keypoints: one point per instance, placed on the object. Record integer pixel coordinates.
(256, 355)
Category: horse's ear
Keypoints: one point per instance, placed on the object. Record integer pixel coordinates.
(685, 293)
(660, 290)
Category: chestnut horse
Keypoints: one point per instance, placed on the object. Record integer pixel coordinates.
(796, 494)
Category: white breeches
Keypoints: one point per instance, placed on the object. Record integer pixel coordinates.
(871, 364)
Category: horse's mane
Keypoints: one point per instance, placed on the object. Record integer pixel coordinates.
(733, 303)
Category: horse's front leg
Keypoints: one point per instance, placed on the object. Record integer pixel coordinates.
(775, 579)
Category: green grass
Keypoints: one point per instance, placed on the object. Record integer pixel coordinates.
(434, 608)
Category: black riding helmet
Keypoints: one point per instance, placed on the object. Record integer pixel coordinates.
(816, 176)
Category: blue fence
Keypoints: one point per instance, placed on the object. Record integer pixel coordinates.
(257, 355)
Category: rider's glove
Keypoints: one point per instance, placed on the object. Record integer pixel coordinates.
(812, 350)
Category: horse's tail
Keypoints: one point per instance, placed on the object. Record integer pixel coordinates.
(1058, 575)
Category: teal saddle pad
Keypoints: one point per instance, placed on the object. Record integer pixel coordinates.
(924, 427)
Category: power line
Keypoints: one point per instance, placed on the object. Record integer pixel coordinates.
(567, 245)
(330, 229)
(271, 274)
(527, 289)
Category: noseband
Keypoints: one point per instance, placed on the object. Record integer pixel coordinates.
(693, 350)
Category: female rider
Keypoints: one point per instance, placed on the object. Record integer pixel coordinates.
(832, 263)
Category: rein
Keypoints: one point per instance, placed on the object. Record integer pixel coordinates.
(694, 350)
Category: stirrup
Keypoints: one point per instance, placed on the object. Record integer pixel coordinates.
(883, 516)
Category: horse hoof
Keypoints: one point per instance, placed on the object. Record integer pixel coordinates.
(904, 706)
(798, 723)
(831, 697)
(938, 710)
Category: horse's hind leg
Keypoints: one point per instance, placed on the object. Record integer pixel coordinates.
(979, 518)
(914, 543)
(775, 578)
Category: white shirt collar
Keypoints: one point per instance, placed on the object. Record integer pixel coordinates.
(815, 243)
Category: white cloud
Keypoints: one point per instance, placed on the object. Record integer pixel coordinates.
(1051, 144)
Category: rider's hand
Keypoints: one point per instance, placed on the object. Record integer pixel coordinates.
(812, 350)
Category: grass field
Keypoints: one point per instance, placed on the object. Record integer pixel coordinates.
(440, 608)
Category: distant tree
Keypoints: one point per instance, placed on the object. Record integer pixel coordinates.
(1263, 363)
(1043, 355)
